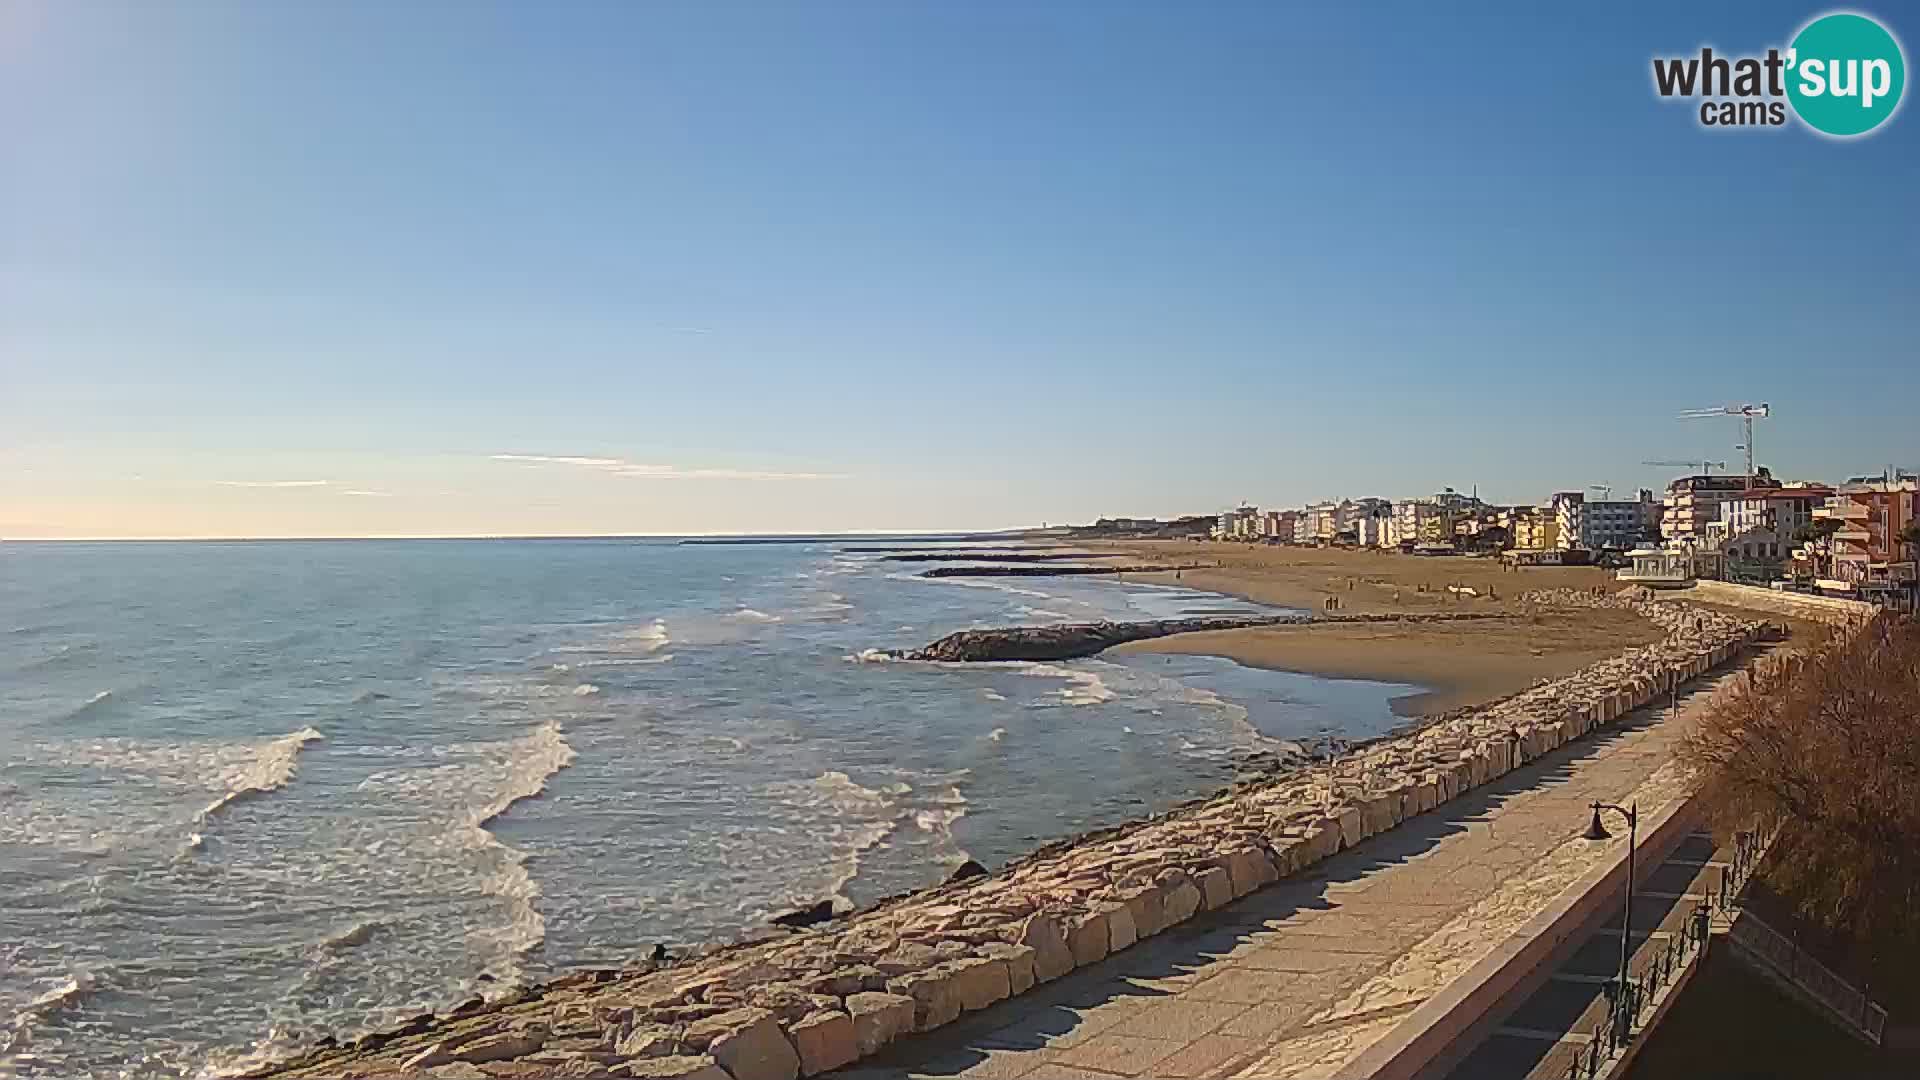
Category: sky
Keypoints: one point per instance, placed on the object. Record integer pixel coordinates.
(459, 268)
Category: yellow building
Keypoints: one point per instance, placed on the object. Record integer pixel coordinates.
(1536, 531)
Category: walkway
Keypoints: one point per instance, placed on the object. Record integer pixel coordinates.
(1297, 979)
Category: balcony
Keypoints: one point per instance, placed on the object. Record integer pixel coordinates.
(1844, 510)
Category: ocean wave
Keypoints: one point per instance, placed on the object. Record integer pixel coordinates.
(998, 734)
(1087, 687)
(750, 615)
(585, 689)
(875, 656)
(975, 583)
(1030, 612)
(535, 759)
(271, 769)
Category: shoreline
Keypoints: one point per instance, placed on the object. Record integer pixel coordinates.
(824, 999)
(1456, 664)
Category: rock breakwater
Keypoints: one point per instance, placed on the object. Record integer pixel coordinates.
(1055, 570)
(822, 999)
(1069, 641)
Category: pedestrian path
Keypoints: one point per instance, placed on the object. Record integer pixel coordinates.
(1296, 980)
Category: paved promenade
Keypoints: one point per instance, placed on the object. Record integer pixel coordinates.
(1299, 978)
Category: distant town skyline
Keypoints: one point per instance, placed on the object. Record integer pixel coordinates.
(504, 269)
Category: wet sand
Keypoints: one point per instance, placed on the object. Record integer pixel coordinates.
(1459, 663)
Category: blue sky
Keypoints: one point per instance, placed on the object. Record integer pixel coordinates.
(787, 267)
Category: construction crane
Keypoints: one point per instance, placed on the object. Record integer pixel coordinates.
(1747, 415)
(1704, 466)
(1605, 490)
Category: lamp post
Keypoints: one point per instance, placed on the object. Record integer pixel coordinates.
(1597, 830)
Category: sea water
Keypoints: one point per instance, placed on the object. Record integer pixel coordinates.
(256, 793)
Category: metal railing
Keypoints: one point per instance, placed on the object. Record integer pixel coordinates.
(1612, 1018)
(1848, 1003)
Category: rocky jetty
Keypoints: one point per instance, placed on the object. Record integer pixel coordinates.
(993, 556)
(821, 999)
(1055, 570)
(1070, 641)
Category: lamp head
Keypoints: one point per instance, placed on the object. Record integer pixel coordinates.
(1596, 830)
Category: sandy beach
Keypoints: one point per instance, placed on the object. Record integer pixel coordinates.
(1458, 663)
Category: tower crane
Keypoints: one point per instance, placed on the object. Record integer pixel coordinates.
(1704, 466)
(1747, 415)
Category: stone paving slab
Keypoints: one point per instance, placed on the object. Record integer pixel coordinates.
(1297, 979)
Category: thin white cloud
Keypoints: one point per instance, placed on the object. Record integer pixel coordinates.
(274, 483)
(543, 459)
(641, 471)
(365, 494)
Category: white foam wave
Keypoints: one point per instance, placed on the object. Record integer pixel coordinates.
(271, 769)
(585, 690)
(1031, 612)
(998, 734)
(991, 694)
(874, 656)
(974, 583)
(750, 615)
(1087, 689)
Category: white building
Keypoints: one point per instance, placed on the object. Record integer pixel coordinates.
(1414, 519)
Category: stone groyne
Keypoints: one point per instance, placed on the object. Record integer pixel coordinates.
(1068, 641)
(1056, 570)
(822, 999)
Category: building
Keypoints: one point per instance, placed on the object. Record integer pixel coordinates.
(1870, 554)
(1323, 522)
(1535, 529)
(1278, 524)
(1669, 567)
(1693, 501)
(1416, 521)
(1786, 509)
(1241, 523)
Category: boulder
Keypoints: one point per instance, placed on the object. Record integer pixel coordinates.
(810, 915)
(1019, 961)
(1052, 957)
(1352, 827)
(749, 1044)
(1144, 903)
(647, 1041)
(935, 1002)
(500, 1046)
(878, 1019)
(691, 1067)
(979, 981)
(1120, 928)
(1179, 903)
(825, 1041)
(1089, 938)
(1216, 887)
(967, 871)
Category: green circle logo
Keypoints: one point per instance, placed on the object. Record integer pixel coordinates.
(1845, 74)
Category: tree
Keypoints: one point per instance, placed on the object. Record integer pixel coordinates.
(1818, 534)
(1826, 749)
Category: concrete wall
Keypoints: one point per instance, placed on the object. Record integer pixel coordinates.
(1797, 605)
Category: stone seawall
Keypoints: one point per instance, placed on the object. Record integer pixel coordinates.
(1828, 609)
(822, 999)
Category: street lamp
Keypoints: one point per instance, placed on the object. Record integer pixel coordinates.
(1597, 830)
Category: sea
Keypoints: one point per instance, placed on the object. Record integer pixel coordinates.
(255, 793)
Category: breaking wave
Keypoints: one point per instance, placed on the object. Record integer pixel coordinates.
(270, 770)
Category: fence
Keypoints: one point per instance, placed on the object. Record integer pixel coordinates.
(1776, 950)
(1612, 1018)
